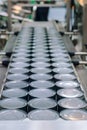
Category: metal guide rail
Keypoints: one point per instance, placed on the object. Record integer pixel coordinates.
(41, 89)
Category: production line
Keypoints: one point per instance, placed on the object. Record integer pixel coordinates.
(42, 86)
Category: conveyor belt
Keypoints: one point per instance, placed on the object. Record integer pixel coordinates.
(42, 49)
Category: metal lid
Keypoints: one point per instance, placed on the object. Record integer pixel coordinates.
(19, 59)
(39, 46)
(20, 50)
(62, 64)
(42, 93)
(43, 115)
(40, 59)
(39, 41)
(12, 115)
(13, 103)
(58, 50)
(40, 64)
(14, 93)
(40, 50)
(59, 54)
(18, 70)
(67, 84)
(18, 64)
(40, 70)
(22, 47)
(41, 76)
(74, 115)
(42, 84)
(55, 47)
(60, 59)
(72, 103)
(65, 77)
(42, 103)
(20, 54)
(70, 93)
(17, 77)
(63, 70)
(16, 84)
(40, 54)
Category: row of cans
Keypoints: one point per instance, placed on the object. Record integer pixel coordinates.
(41, 82)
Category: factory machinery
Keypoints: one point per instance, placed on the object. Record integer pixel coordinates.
(44, 84)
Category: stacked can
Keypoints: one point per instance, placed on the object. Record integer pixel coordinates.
(71, 103)
(42, 94)
(15, 94)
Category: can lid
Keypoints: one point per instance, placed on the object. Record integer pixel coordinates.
(40, 64)
(42, 103)
(16, 84)
(40, 54)
(72, 103)
(18, 64)
(62, 64)
(63, 70)
(42, 84)
(42, 93)
(39, 50)
(13, 103)
(60, 54)
(20, 54)
(39, 46)
(70, 93)
(62, 59)
(67, 84)
(58, 50)
(41, 76)
(69, 114)
(18, 70)
(15, 50)
(14, 93)
(40, 70)
(43, 115)
(17, 77)
(65, 77)
(12, 115)
(19, 59)
(61, 47)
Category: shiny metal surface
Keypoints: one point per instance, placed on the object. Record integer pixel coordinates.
(13, 103)
(72, 103)
(12, 115)
(67, 84)
(9, 93)
(65, 77)
(74, 114)
(39, 115)
(70, 93)
(42, 93)
(42, 103)
(41, 76)
(17, 77)
(16, 84)
(59, 124)
(42, 84)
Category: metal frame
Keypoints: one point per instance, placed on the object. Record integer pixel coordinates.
(9, 16)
